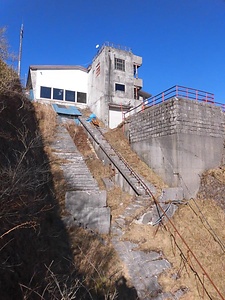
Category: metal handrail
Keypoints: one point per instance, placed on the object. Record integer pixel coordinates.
(179, 92)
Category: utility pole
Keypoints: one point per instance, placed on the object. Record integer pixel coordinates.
(20, 49)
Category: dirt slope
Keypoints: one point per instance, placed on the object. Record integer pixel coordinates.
(199, 221)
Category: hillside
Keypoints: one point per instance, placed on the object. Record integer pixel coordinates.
(198, 220)
(41, 259)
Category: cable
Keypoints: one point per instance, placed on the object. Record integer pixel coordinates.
(211, 231)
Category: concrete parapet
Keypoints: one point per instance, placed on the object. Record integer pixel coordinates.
(172, 195)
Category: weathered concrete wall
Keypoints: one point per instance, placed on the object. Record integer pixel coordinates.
(89, 209)
(102, 77)
(179, 139)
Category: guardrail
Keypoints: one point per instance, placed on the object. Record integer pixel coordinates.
(175, 91)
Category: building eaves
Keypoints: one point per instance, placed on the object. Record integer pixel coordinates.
(57, 67)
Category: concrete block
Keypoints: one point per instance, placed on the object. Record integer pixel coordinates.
(88, 209)
(172, 194)
(98, 219)
(80, 199)
(158, 214)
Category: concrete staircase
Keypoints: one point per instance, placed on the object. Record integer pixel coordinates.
(82, 197)
(106, 153)
(87, 207)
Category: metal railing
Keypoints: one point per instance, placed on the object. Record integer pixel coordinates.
(175, 91)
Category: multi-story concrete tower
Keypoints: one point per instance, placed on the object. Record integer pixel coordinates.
(113, 83)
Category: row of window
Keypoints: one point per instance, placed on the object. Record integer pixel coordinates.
(64, 95)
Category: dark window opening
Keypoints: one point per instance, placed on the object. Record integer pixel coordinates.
(45, 92)
(120, 87)
(98, 69)
(135, 71)
(81, 97)
(58, 94)
(135, 93)
(119, 64)
(70, 96)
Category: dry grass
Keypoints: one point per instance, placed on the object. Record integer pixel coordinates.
(190, 223)
(97, 259)
(47, 120)
(188, 220)
(9, 80)
(120, 143)
(93, 256)
(117, 201)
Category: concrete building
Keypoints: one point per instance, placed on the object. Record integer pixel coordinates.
(113, 84)
(109, 86)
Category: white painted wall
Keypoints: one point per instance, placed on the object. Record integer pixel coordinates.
(74, 80)
(115, 117)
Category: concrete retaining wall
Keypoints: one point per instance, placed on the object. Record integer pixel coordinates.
(179, 139)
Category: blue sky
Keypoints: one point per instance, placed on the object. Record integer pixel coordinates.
(181, 41)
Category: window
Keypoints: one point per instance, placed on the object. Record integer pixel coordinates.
(58, 94)
(119, 64)
(70, 96)
(45, 92)
(120, 87)
(81, 97)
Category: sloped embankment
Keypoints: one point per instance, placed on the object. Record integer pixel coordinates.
(213, 186)
(198, 221)
(33, 244)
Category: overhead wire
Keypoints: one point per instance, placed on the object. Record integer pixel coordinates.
(210, 230)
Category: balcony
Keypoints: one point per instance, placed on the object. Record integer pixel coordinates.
(138, 82)
(137, 60)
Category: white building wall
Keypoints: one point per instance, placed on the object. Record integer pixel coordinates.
(74, 80)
